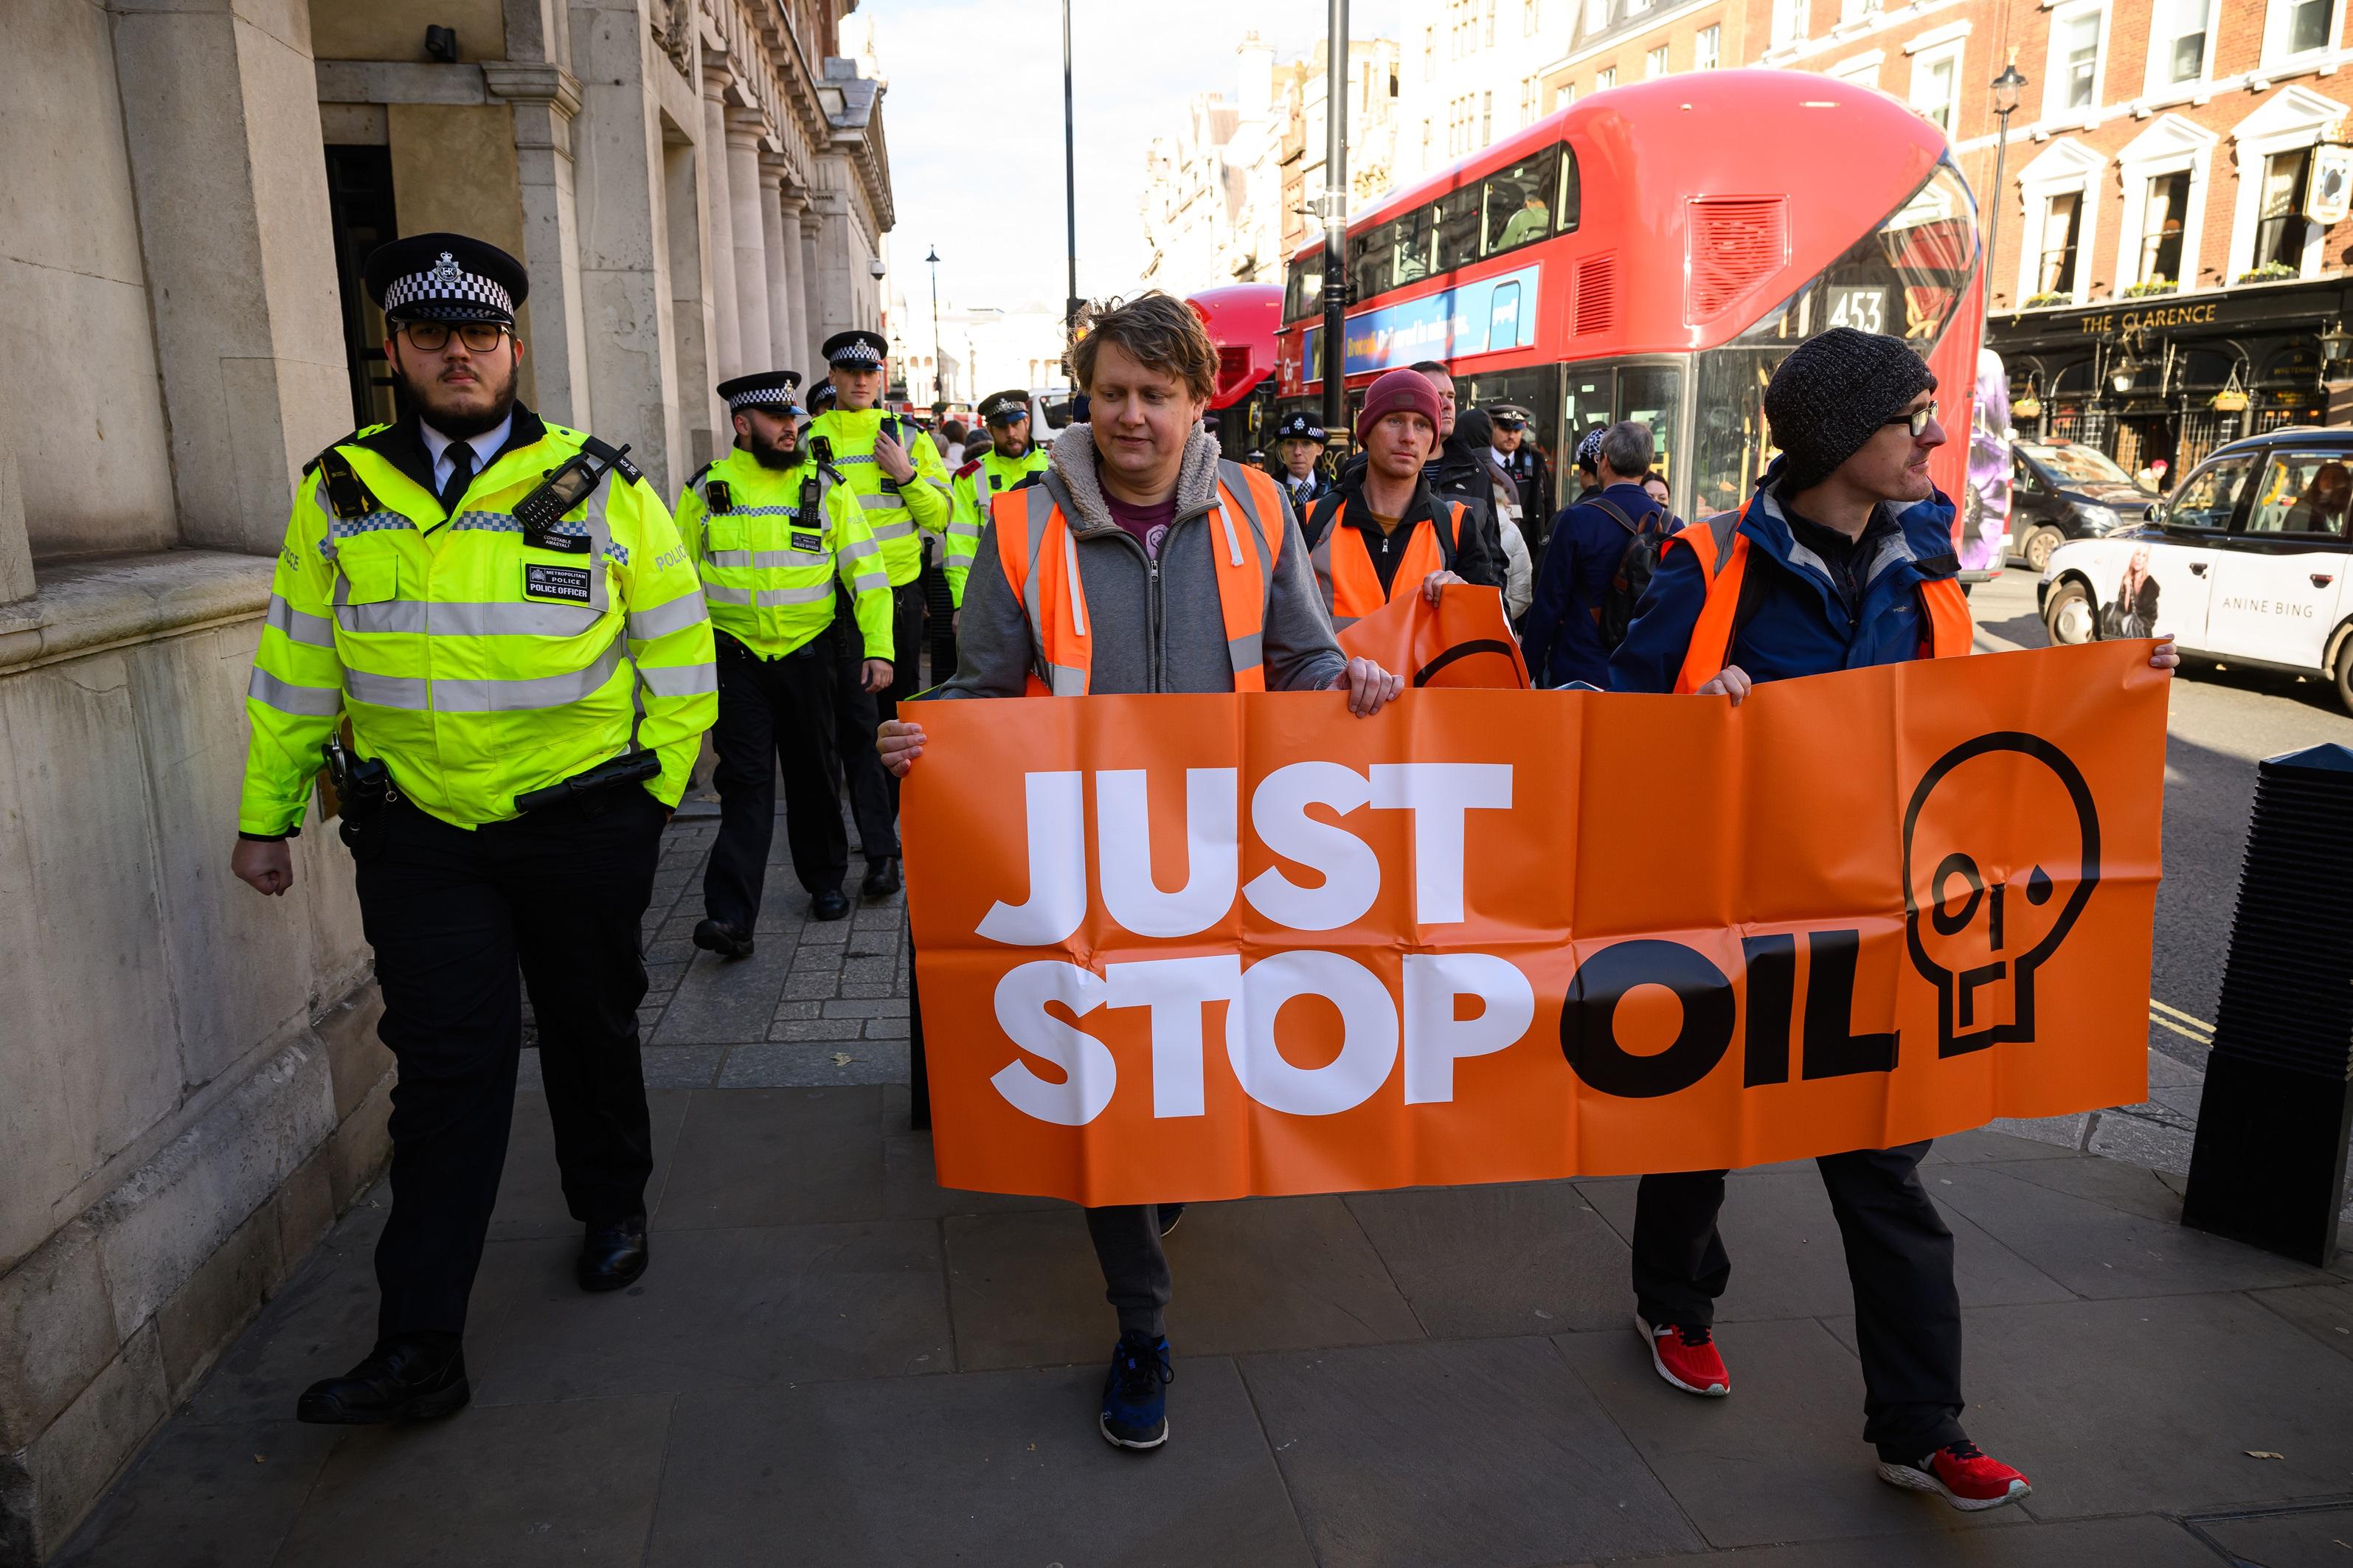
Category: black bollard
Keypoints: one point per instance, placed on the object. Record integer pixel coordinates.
(2268, 1167)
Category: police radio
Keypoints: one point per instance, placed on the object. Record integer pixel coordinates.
(565, 487)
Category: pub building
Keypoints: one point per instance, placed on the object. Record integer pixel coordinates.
(2176, 376)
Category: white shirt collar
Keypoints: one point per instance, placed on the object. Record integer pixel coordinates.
(1502, 459)
(485, 445)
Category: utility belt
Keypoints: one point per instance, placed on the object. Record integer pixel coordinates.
(731, 652)
(366, 791)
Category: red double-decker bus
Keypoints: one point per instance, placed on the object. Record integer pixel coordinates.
(1651, 252)
(1244, 321)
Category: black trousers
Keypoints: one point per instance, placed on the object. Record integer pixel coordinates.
(451, 914)
(1134, 1265)
(939, 615)
(773, 714)
(873, 793)
(1899, 1259)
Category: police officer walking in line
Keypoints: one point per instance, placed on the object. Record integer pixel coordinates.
(1517, 455)
(1011, 461)
(503, 613)
(1297, 465)
(770, 531)
(902, 486)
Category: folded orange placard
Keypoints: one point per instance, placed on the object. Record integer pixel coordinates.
(1197, 947)
(1464, 639)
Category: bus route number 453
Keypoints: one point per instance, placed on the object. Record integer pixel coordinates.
(1865, 309)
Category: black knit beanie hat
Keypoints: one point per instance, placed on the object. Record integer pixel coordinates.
(1833, 394)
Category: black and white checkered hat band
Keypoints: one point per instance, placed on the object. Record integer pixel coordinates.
(762, 397)
(446, 283)
(856, 353)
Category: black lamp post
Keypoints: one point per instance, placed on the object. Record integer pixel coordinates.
(933, 260)
(2005, 102)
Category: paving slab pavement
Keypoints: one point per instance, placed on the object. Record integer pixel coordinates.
(834, 1361)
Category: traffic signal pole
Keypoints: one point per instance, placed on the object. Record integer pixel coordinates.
(1335, 218)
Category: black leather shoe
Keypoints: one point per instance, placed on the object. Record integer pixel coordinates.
(719, 937)
(832, 904)
(881, 878)
(612, 1256)
(401, 1380)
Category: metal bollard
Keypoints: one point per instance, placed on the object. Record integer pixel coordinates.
(2268, 1167)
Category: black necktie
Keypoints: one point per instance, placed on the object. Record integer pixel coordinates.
(461, 474)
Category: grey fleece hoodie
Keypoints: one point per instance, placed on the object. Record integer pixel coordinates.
(1156, 625)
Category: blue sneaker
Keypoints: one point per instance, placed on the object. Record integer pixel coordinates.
(1135, 1407)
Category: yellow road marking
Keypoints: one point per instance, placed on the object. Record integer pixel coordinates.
(2179, 1017)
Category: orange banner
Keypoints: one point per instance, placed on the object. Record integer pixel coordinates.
(1464, 639)
(1200, 947)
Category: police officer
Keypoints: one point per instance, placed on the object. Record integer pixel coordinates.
(502, 613)
(902, 487)
(1517, 455)
(770, 532)
(820, 399)
(1011, 462)
(1298, 461)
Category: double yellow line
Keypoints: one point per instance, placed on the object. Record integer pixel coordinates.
(2180, 1023)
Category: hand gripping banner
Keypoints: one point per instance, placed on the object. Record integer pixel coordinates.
(1200, 947)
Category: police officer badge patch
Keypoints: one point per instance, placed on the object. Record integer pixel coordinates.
(543, 582)
(809, 544)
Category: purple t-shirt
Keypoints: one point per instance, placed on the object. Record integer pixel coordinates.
(1149, 523)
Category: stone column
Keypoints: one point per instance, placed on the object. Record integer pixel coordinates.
(545, 98)
(718, 223)
(228, 167)
(792, 201)
(783, 267)
(749, 197)
(812, 317)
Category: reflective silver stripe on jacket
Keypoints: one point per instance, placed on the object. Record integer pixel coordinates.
(899, 530)
(427, 617)
(299, 625)
(686, 610)
(1062, 681)
(304, 701)
(679, 679)
(721, 593)
(881, 502)
(420, 695)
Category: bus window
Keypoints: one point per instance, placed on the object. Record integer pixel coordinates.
(1372, 265)
(1458, 228)
(1564, 211)
(1302, 292)
(1416, 244)
(1519, 203)
(1652, 394)
(1906, 277)
(1590, 403)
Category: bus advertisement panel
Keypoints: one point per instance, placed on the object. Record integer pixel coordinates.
(1486, 315)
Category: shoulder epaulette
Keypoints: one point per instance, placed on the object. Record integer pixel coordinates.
(696, 478)
(968, 469)
(338, 441)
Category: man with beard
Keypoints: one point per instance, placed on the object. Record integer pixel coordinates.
(502, 613)
(771, 531)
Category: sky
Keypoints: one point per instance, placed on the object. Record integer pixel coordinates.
(974, 124)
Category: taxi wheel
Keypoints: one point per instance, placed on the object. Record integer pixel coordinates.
(2344, 675)
(2039, 546)
(2069, 617)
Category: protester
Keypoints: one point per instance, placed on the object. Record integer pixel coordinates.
(1161, 546)
(1518, 570)
(1564, 638)
(1383, 536)
(1588, 457)
(1851, 546)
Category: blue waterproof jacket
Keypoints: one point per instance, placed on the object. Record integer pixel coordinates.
(1799, 626)
(1560, 636)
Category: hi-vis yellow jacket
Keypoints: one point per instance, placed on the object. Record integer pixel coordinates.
(893, 511)
(767, 570)
(476, 663)
(977, 484)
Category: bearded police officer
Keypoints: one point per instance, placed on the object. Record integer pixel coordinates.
(1011, 461)
(902, 487)
(771, 531)
(1298, 461)
(502, 613)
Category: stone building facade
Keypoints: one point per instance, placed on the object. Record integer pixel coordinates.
(190, 1085)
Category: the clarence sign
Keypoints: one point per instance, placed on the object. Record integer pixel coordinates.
(1202, 946)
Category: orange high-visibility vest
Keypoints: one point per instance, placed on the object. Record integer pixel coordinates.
(1947, 607)
(1042, 566)
(1345, 570)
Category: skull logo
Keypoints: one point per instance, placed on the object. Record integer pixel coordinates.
(2002, 852)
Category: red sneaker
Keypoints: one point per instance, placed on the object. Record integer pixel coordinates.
(1965, 1477)
(1686, 1358)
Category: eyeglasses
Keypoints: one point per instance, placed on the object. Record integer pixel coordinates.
(432, 337)
(1918, 419)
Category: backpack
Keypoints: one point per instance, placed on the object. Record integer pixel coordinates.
(1635, 565)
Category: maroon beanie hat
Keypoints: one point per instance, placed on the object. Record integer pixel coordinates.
(1399, 391)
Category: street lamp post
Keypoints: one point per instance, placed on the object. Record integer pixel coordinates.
(934, 261)
(1069, 187)
(2005, 102)
(1335, 218)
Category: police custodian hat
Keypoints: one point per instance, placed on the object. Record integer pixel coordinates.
(1003, 407)
(444, 278)
(1511, 415)
(766, 389)
(1297, 426)
(856, 348)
